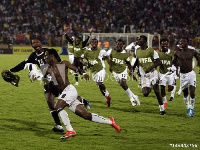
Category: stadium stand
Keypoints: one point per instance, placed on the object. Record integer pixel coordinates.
(21, 19)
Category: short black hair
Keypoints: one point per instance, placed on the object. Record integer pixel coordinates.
(94, 39)
(120, 40)
(186, 39)
(34, 38)
(164, 39)
(144, 37)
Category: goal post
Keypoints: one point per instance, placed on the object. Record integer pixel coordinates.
(109, 39)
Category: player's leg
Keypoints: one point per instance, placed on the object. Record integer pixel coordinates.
(186, 100)
(80, 111)
(50, 101)
(71, 60)
(75, 63)
(159, 98)
(133, 98)
(163, 94)
(99, 79)
(85, 102)
(192, 100)
(60, 105)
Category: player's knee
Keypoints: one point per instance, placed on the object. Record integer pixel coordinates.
(192, 95)
(146, 91)
(87, 116)
(170, 88)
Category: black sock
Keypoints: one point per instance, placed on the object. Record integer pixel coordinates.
(55, 117)
(76, 77)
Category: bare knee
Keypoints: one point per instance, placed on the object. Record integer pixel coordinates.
(146, 91)
(87, 116)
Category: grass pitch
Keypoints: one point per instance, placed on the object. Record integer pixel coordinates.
(25, 121)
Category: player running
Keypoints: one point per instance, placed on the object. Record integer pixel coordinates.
(119, 60)
(68, 96)
(96, 64)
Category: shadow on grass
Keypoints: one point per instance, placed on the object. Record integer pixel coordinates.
(25, 125)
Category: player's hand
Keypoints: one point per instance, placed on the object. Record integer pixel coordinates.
(134, 78)
(148, 70)
(6, 71)
(110, 68)
(65, 28)
(86, 77)
(91, 29)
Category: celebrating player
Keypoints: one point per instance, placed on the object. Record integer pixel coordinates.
(37, 57)
(166, 55)
(119, 60)
(147, 60)
(97, 67)
(187, 75)
(68, 96)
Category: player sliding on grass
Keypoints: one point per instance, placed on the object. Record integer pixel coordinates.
(95, 61)
(37, 57)
(118, 62)
(68, 96)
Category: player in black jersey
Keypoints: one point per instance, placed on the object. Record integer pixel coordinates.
(37, 57)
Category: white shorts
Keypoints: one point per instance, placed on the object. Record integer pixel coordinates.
(168, 79)
(188, 79)
(69, 95)
(149, 79)
(119, 76)
(71, 58)
(99, 76)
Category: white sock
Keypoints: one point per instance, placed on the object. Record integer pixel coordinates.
(106, 92)
(186, 101)
(130, 94)
(173, 91)
(162, 108)
(164, 99)
(65, 119)
(100, 119)
(192, 101)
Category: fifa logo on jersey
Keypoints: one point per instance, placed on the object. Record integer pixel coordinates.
(118, 61)
(93, 62)
(145, 60)
(165, 62)
(76, 49)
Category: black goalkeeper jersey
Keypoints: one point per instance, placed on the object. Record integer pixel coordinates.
(34, 58)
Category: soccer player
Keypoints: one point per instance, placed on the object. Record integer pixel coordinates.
(133, 47)
(70, 49)
(119, 60)
(166, 55)
(147, 60)
(187, 75)
(78, 46)
(37, 57)
(68, 96)
(96, 64)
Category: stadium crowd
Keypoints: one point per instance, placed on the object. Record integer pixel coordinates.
(21, 19)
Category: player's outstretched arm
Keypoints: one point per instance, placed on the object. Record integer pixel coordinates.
(72, 67)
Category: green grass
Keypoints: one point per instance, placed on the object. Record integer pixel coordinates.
(25, 121)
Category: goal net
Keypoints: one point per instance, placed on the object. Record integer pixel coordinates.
(108, 40)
